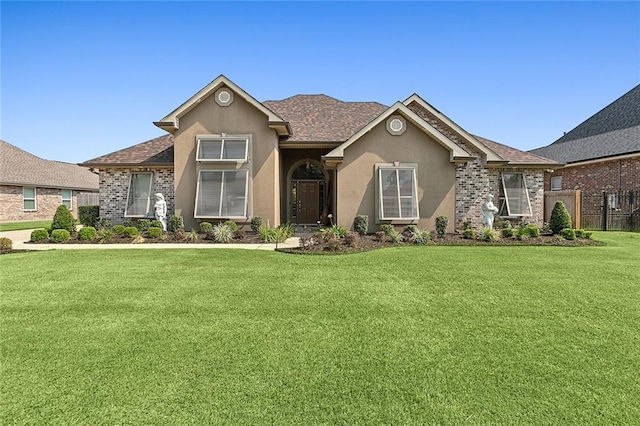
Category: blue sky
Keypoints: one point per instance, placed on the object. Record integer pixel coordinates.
(82, 79)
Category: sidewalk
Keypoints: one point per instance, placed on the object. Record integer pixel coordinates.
(20, 239)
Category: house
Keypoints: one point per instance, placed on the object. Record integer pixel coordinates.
(32, 188)
(227, 156)
(602, 153)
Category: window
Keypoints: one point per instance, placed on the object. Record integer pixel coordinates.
(232, 149)
(514, 197)
(397, 192)
(556, 183)
(139, 197)
(29, 199)
(67, 197)
(222, 194)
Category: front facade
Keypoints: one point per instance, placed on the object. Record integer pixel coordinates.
(312, 158)
(602, 153)
(32, 188)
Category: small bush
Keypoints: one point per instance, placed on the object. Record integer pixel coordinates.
(89, 215)
(441, 225)
(568, 234)
(176, 223)
(529, 230)
(39, 235)
(88, 233)
(308, 242)
(489, 235)
(352, 239)
(155, 224)
(466, 225)
(410, 229)
(130, 232)
(231, 224)
(333, 244)
(469, 234)
(119, 230)
(103, 223)
(6, 244)
(60, 236)
(106, 235)
(504, 224)
(334, 231)
(419, 237)
(206, 227)
(138, 239)
(256, 223)
(127, 223)
(154, 232)
(581, 233)
(387, 229)
(395, 236)
(276, 235)
(143, 224)
(191, 236)
(361, 224)
(560, 218)
(546, 228)
(221, 233)
(381, 236)
(63, 219)
(507, 232)
(238, 235)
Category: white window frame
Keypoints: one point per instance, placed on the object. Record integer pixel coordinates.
(523, 188)
(126, 206)
(34, 199)
(397, 167)
(222, 194)
(554, 183)
(67, 199)
(222, 139)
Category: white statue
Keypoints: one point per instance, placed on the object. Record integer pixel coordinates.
(160, 210)
(488, 210)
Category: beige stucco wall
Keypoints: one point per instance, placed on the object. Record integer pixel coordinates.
(356, 176)
(264, 168)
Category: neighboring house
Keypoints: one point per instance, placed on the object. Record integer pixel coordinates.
(32, 188)
(301, 159)
(602, 153)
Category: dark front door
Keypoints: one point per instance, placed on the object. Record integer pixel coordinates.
(308, 201)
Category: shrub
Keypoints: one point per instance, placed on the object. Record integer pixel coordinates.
(176, 223)
(103, 223)
(105, 235)
(419, 237)
(410, 229)
(130, 232)
(441, 225)
(504, 224)
(387, 229)
(276, 235)
(154, 232)
(581, 233)
(334, 231)
(333, 244)
(395, 236)
(206, 227)
(6, 244)
(489, 235)
(256, 223)
(238, 235)
(546, 228)
(469, 234)
(232, 225)
(466, 225)
(63, 219)
(127, 223)
(118, 230)
(507, 232)
(39, 235)
(381, 236)
(60, 235)
(568, 234)
(222, 233)
(307, 242)
(352, 239)
(138, 239)
(529, 230)
(155, 224)
(89, 215)
(88, 233)
(361, 224)
(560, 218)
(191, 236)
(143, 224)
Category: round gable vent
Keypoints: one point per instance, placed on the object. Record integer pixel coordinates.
(396, 125)
(224, 97)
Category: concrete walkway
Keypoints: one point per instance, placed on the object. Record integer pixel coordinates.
(20, 242)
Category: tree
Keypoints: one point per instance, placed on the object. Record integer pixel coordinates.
(560, 218)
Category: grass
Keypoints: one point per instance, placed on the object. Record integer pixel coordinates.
(17, 226)
(411, 335)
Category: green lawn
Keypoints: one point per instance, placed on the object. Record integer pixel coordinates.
(17, 226)
(411, 335)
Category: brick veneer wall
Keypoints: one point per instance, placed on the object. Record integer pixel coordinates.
(474, 181)
(592, 179)
(47, 201)
(114, 186)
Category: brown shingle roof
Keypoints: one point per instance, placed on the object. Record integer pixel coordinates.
(18, 167)
(514, 156)
(321, 118)
(154, 152)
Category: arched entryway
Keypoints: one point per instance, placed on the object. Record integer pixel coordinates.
(307, 192)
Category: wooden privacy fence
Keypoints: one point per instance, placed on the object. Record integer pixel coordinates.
(572, 201)
(606, 211)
